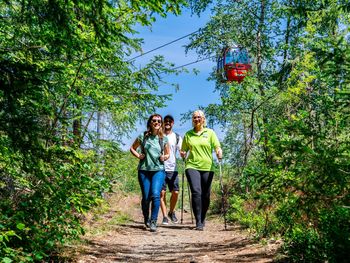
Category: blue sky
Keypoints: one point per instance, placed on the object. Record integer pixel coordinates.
(194, 90)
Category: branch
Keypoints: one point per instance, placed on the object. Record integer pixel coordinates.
(63, 106)
(86, 126)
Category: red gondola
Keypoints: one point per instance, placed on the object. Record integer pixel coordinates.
(233, 64)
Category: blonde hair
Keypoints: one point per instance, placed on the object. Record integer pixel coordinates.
(200, 113)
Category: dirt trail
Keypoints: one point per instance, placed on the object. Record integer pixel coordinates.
(131, 242)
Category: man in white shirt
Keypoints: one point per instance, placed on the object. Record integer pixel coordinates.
(171, 178)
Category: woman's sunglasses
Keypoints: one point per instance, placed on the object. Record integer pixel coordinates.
(154, 121)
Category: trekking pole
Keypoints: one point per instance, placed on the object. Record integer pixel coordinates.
(189, 193)
(182, 196)
(222, 194)
(190, 200)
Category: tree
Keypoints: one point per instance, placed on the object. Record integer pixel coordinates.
(61, 63)
(291, 118)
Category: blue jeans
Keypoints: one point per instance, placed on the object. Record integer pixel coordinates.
(151, 185)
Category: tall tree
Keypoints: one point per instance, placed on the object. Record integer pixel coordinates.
(290, 117)
(62, 61)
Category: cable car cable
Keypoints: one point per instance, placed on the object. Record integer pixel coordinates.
(199, 60)
(163, 45)
(184, 65)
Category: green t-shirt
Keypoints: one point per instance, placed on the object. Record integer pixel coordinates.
(200, 147)
(152, 153)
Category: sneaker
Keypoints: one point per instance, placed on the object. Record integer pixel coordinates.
(153, 226)
(199, 227)
(173, 217)
(147, 223)
(165, 221)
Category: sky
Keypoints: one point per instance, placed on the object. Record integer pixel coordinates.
(194, 90)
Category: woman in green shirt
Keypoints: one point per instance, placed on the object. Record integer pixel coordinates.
(154, 150)
(198, 146)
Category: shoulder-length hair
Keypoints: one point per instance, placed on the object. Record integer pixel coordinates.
(148, 132)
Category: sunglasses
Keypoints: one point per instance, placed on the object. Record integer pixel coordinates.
(197, 117)
(154, 121)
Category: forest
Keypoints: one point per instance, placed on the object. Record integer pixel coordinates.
(64, 63)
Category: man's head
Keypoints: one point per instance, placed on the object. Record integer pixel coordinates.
(168, 122)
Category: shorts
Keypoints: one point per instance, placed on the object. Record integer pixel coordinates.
(172, 180)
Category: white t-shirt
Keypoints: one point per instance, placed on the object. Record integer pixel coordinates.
(170, 164)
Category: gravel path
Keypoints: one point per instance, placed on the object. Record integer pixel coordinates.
(131, 242)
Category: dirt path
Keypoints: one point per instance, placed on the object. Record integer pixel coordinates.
(131, 242)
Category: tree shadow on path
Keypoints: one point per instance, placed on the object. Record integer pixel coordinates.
(136, 244)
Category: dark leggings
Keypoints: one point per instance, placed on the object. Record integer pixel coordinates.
(200, 184)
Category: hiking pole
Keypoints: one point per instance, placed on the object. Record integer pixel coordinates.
(189, 192)
(190, 200)
(222, 195)
(182, 194)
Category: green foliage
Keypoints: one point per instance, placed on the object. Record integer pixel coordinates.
(46, 205)
(250, 219)
(329, 240)
(287, 124)
(335, 228)
(123, 174)
(249, 213)
(63, 64)
(305, 245)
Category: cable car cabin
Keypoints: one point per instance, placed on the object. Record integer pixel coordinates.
(233, 64)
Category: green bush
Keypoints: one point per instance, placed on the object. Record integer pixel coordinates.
(335, 229)
(304, 244)
(247, 213)
(45, 206)
(327, 240)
